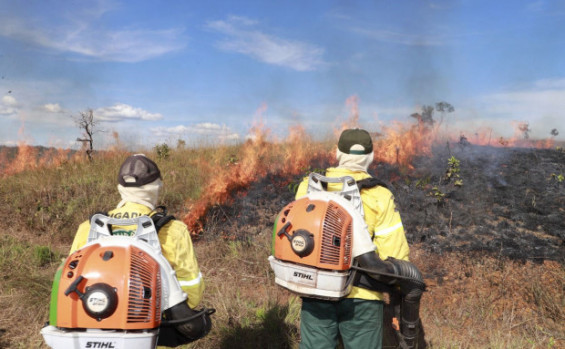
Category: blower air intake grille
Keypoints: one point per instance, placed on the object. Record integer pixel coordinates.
(141, 304)
(335, 221)
(158, 298)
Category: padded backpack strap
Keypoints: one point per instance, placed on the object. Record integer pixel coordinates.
(370, 182)
(160, 218)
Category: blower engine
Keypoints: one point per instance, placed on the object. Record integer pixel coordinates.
(113, 292)
(314, 243)
(322, 247)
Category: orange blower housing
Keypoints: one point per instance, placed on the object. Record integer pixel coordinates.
(314, 232)
(315, 240)
(111, 287)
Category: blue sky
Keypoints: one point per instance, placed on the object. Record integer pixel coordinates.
(158, 71)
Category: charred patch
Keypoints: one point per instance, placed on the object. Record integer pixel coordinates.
(502, 201)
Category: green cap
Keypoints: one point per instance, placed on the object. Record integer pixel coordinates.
(351, 137)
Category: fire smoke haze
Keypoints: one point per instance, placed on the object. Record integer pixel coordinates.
(156, 71)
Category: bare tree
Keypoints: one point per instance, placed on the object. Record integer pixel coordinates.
(554, 132)
(87, 124)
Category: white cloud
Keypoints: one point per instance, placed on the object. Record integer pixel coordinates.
(53, 108)
(550, 84)
(87, 38)
(243, 37)
(545, 7)
(121, 112)
(10, 143)
(8, 105)
(541, 106)
(536, 6)
(123, 46)
(9, 101)
(400, 38)
(206, 130)
(546, 97)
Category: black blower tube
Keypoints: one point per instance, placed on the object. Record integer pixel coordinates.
(182, 325)
(410, 283)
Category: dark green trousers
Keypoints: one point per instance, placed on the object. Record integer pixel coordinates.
(358, 321)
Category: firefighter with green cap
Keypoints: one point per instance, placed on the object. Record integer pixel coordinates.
(357, 318)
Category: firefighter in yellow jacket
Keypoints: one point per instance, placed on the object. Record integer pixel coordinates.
(139, 185)
(358, 318)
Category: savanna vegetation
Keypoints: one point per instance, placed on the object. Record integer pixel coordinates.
(473, 300)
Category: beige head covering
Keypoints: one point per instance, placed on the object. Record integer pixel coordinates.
(147, 194)
(139, 181)
(355, 150)
(354, 162)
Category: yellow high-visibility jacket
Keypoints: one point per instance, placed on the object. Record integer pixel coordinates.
(176, 246)
(382, 218)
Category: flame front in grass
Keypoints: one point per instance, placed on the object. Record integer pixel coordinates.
(229, 176)
(520, 139)
(401, 143)
(255, 159)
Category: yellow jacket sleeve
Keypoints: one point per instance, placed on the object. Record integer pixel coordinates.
(177, 248)
(385, 224)
(302, 188)
(81, 236)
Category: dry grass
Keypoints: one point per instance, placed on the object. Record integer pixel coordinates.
(252, 312)
(485, 302)
(472, 301)
(479, 302)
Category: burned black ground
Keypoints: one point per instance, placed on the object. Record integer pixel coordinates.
(509, 202)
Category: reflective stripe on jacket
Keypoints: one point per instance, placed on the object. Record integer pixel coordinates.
(176, 246)
(382, 218)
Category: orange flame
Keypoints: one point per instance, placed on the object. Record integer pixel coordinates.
(227, 179)
(401, 143)
(28, 157)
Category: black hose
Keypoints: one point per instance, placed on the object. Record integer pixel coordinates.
(199, 313)
(408, 281)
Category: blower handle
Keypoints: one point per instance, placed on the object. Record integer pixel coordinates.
(73, 287)
(284, 229)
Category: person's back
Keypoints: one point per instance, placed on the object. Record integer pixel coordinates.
(358, 318)
(175, 246)
(139, 185)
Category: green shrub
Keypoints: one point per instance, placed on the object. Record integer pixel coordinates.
(163, 151)
(43, 255)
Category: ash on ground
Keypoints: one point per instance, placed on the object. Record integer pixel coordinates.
(508, 202)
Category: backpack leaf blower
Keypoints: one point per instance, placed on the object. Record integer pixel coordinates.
(120, 292)
(322, 247)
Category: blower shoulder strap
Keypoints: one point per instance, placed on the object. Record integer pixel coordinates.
(161, 218)
(370, 182)
(105, 213)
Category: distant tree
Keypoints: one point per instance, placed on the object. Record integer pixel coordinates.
(428, 115)
(554, 132)
(86, 122)
(181, 144)
(443, 108)
(525, 129)
(424, 119)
